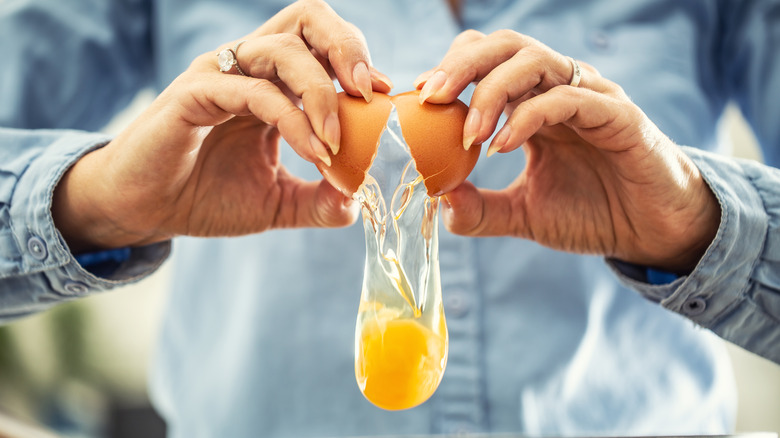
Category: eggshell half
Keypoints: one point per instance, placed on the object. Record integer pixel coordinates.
(434, 134)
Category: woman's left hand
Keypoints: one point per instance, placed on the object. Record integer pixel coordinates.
(600, 177)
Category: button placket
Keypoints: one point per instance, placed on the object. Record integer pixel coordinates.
(456, 304)
(459, 399)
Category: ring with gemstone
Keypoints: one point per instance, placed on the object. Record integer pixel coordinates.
(576, 73)
(228, 58)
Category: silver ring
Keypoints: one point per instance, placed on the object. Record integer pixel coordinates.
(576, 73)
(228, 58)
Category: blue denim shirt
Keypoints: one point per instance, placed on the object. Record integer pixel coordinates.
(258, 334)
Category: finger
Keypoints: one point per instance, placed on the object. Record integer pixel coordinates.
(471, 61)
(470, 211)
(314, 204)
(464, 38)
(599, 119)
(530, 71)
(211, 99)
(285, 57)
(379, 81)
(333, 38)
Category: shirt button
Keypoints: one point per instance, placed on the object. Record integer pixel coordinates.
(76, 288)
(37, 248)
(456, 304)
(694, 306)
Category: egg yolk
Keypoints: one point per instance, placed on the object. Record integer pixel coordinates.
(399, 362)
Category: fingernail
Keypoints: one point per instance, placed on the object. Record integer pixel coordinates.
(382, 78)
(471, 127)
(332, 131)
(500, 140)
(422, 78)
(362, 80)
(433, 85)
(493, 149)
(319, 149)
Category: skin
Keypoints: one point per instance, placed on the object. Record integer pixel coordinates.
(203, 159)
(601, 178)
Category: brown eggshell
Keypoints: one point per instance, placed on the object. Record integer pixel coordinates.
(434, 134)
(362, 124)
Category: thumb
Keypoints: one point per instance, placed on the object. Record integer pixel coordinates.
(470, 211)
(321, 205)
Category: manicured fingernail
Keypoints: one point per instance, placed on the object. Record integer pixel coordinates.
(493, 149)
(332, 132)
(319, 149)
(381, 78)
(362, 80)
(422, 78)
(500, 140)
(471, 127)
(433, 85)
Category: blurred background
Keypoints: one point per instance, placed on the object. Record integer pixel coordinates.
(81, 368)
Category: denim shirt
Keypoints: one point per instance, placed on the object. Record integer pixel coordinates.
(258, 336)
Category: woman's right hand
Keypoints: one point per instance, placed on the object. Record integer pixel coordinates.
(203, 159)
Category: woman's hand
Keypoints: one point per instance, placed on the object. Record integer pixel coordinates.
(203, 159)
(600, 176)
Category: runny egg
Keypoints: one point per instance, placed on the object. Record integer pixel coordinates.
(433, 133)
(401, 339)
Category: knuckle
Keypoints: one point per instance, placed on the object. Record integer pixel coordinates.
(469, 35)
(320, 91)
(355, 31)
(306, 6)
(351, 43)
(616, 90)
(289, 112)
(535, 52)
(490, 90)
(259, 87)
(506, 34)
(288, 41)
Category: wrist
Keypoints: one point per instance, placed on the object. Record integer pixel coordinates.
(83, 210)
(692, 237)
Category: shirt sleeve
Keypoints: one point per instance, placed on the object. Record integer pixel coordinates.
(66, 65)
(735, 289)
(37, 269)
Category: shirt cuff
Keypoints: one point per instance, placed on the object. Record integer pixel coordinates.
(41, 253)
(717, 285)
(715, 294)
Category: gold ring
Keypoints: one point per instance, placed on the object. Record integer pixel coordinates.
(576, 74)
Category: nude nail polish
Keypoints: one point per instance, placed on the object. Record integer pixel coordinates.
(433, 85)
(319, 149)
(362, 79)
(471, 127)
(332, 132)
